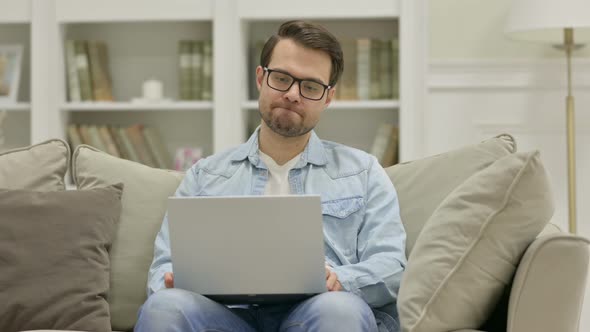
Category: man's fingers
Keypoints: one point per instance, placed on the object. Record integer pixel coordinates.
(327, 272)
(169, 280)
(331, 282)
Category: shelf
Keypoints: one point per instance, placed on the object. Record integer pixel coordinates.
(344, 104)
(20, 11)
(85, 11)
(313, 9)
(126, 106)
(16, 107)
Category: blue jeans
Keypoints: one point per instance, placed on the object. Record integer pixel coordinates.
(183, 311)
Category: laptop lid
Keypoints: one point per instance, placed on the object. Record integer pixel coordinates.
(248, 249)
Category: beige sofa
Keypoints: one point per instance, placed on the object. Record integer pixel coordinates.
(473, 264)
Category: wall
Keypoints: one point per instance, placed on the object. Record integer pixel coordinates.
(481, 83)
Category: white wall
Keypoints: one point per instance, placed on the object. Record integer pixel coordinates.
(481, 83)
(474, 29)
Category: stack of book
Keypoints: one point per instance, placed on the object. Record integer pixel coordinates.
(136, 143)
(385, 145)
(371, 70)
(195, 67)
(88, 73)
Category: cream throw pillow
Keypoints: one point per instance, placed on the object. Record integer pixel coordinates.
(422, 184)
(143, 208)
(39, 167)
(469, 248)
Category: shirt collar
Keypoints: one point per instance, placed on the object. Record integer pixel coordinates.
(313, 153)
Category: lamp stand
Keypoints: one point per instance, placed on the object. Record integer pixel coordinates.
(571, 148)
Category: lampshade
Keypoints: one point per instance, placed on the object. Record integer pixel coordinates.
(544, 20)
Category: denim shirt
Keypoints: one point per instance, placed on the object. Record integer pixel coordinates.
(364, 238)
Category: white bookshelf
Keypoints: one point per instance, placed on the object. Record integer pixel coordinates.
(86, 11)
(189, 106)
(142, 38)
(312, 9)
(15, 107)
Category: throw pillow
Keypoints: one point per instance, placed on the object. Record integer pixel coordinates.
(39, 167)
(468, 250)
(423, 184)
(144, 206)
(55, 263)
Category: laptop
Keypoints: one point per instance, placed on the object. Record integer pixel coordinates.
(248, 249)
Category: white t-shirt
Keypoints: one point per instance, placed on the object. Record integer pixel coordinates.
(278, 175)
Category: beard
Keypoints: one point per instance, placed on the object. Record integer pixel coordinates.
(282, 124)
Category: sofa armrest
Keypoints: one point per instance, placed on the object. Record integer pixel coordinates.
(549, 285)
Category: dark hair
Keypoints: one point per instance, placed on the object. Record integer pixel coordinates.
(310, 35)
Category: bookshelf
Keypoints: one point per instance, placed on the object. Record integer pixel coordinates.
(143, 36)
(15, 29)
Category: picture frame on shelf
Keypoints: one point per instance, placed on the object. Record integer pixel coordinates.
(10, 71)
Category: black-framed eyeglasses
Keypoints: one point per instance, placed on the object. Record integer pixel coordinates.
(282, 81)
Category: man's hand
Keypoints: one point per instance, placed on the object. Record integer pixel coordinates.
(169, 279)
(332, 282)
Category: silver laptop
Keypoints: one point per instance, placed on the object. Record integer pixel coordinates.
(248, 249)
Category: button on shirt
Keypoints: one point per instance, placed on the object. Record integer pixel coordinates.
(364, 238)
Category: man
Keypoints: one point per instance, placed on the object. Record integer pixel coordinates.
(364, 237)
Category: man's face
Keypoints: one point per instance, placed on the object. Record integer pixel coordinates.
(288, 113)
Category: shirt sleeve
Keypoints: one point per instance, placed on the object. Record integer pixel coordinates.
(162, 262)
(381, 245)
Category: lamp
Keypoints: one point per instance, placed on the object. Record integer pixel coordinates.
(554, 22)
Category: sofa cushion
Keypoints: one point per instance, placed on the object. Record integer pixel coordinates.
(144, 206)
(39, 167)
(423, 184)
(469, 248)
(55, 262)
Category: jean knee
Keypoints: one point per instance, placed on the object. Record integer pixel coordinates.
(332, 311)
(176, 300)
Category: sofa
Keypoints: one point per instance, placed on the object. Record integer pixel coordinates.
(482, 254)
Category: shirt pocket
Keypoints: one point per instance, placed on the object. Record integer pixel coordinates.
(342, 219)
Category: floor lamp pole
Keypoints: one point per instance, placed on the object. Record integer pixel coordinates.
(571, 134)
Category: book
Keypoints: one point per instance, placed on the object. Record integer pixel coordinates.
(84, 135)
(390, 157)
(207, 73)
(386, 70)
(383, 144)
(101, 86)
(128, 146)
(184, 70)
(135, 134)
(157, 148)
(108, 141)
(196, 68)
(95, 139)
(375, 69)
(74, 136)
(72, 71)
(348, 81)
(83, 68)
(395, 68)
(363, 69)
(115, 135)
